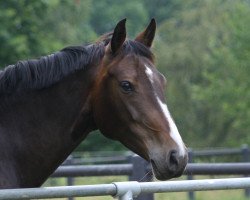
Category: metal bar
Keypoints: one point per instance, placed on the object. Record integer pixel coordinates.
(101, 160)
(111, 157)
(93, 170)
(191, 194)
(195, 185)
(70, 180)
(246, 158)
(125, 191)
(218, 168)
(217, 152)
(127, 169)
(58, 192)
(118, 189)
(127, 196)
(141, 173)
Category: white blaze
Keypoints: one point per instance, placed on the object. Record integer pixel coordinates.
(174, 133)
(149, 73)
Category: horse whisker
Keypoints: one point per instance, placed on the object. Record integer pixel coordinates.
(148, 175)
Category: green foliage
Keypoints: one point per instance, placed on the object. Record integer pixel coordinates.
(30, 28)
(105, 15)
(201, 46)
(95, 141)
(207, 55)
(18, 28)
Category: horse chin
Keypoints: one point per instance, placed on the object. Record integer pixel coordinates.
(165, 174)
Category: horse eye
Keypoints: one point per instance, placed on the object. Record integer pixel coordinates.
(126, 86)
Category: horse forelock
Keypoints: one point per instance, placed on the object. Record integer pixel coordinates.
(129, 46)
(134, 47)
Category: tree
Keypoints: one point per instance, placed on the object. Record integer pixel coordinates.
(208, 75)
(105, 14)
(29, 29)
(18, 28)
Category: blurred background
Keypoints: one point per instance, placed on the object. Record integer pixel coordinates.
(202, 47)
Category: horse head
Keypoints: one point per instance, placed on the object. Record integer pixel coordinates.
(129, 103)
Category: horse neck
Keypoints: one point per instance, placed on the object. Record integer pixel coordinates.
(41, 128)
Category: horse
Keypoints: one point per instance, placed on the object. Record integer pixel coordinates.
(49, 105)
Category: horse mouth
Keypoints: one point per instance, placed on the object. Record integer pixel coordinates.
(165, 174)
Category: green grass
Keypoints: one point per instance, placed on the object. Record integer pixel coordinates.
(204, 195)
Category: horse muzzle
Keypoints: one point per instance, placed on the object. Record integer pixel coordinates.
(172, 166)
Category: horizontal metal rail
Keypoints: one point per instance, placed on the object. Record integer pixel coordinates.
(125, 190)
(93, 170)
(195, 185)
(124, 158)
(126, 169)
(217, 152)
(103, 160)
(218, 169)
(58, 192)
(121, 157)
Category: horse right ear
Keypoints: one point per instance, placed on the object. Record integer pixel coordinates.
(119, 36)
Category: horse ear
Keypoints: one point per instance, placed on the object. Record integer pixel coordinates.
(147, 36)
(119, 36)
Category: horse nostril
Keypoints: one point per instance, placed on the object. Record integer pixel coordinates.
(173, 160)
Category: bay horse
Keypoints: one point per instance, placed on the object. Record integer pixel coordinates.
(49, 105)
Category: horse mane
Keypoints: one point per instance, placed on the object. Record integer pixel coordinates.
(47, 70)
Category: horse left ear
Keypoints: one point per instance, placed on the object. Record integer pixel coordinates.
(147, 36)
(119, 36)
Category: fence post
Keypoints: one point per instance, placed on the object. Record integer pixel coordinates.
(70, 180)
(191, 194)
(140, 173)
(246, 158)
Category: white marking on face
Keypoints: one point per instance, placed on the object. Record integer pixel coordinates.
(149, 73)
(174, 133)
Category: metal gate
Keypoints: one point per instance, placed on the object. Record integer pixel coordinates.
(125, 190)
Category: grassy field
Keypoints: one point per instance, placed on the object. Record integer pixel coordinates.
(214, 195)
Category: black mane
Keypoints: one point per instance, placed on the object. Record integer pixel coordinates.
(43, 72)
